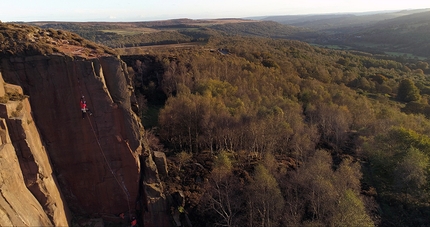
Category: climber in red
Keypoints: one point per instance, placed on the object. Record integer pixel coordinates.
(133, 222)
(84, 108)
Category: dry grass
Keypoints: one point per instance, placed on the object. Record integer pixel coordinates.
(132, 31)
(146, 49)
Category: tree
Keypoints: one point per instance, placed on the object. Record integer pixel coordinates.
(422, 65)
(265, 201)
(333, 122)
(408, 91)
(314, 192)
(182, 120)
(411, 172)
(399, 167)
(223, 194)
(183, 157)
(351, 212)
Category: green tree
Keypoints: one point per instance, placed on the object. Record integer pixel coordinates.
(399, 167)
(422, 65)
(408, 91)
(265, 201)
(314, 192)
(223, 194)
(351, 212)
(411, 172)
(183, 119)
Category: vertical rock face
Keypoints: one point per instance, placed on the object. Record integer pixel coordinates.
(95, 158)
(50, 151)
(155, 213)
(29, 193)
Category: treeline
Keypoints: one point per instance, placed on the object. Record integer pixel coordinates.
(280, 133)
(157, 38)
(260, 29)
(400, 36)
(98, 33)
(169, 32)
(175, 31)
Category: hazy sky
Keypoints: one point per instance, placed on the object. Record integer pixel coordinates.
(137, 10)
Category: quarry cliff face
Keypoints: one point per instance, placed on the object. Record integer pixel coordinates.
(29, 193)
(52, 157)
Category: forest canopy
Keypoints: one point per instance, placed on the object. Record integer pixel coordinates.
(290, 134)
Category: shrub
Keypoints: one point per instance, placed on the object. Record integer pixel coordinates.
(16, 96)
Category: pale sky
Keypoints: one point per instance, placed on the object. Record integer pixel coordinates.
(145, 10)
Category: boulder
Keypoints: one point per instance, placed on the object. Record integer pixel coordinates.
(161, 162)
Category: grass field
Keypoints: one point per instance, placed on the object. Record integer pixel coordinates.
(131, 31)
(407, 55)
(335, 47)
(146, 49)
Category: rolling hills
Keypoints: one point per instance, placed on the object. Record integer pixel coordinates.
(398, 33)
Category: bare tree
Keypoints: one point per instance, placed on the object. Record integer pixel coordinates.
(223, 195)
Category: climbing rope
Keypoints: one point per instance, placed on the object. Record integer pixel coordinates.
(124, 189)
(122, 186)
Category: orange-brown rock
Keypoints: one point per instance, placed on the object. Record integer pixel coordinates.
(155, 213)
(96, 169)
(29, 193)
(98, 160)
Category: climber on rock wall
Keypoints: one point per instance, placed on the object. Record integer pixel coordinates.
(133, 222)
(84, 108)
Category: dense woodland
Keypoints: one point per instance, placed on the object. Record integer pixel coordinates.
(266, 132)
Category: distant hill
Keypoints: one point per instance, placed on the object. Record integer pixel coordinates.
(403, 34)
(328, 21)
(263, 29)
(133, 34)
(127, 34)
(400, 33)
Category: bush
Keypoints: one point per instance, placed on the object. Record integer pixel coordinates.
(16, 96)
(408, 91)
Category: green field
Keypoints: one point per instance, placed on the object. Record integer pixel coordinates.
(131, 31)
(406, 55)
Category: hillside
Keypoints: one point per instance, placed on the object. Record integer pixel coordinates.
(259, 29)
(340, 20)
(291, 128)
(134, 34)
(403, 33)
(399, 34)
